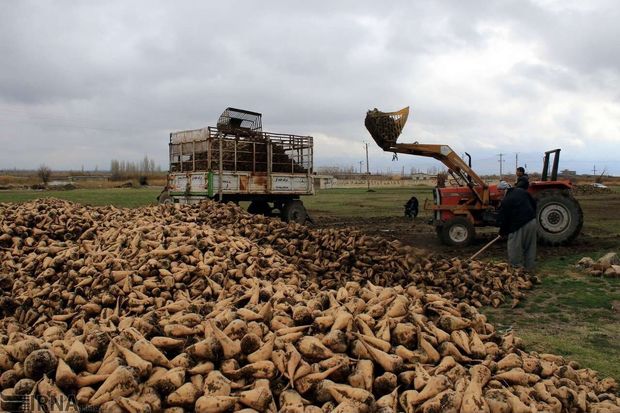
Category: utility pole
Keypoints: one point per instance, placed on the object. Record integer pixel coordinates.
(367, 167)
(501, 163)
(361, 163)
(594, 170)
(516, 161)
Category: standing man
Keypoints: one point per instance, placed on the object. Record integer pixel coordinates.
(523, 181)
(517, 219)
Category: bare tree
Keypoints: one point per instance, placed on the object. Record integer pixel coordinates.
(44, 173)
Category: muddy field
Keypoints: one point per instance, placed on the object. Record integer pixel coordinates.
(600, 231)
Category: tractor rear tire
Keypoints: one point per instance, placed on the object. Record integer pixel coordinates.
(559, 217)
(294, 211)
(259, 208)
(457, 232)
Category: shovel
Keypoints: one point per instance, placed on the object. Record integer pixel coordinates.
(484, 248)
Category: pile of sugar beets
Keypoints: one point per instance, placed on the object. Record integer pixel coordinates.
(209, 309)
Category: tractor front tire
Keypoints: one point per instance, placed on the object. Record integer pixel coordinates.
(559, 217)
(457, 232)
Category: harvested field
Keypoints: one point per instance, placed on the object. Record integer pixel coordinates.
(381, 213)
(589, 189)
(209, 309)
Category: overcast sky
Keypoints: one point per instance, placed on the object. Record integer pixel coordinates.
(85, 82)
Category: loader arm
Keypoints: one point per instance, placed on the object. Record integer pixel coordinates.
(386, 127)
(456, 165)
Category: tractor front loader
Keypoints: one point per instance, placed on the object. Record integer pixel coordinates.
(471, 202)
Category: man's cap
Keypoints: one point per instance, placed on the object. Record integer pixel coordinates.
(503, 185)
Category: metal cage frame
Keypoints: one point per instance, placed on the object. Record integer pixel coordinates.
(236, 121)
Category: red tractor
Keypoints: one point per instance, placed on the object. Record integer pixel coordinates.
(471, 202)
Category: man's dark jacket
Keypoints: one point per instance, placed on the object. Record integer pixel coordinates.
(517, 209)
(523, 182)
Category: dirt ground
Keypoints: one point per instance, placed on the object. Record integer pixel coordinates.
(599, 233)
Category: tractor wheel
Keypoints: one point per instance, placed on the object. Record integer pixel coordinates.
(559, 216)
(259, 208)
(457, 232)
(294, 211)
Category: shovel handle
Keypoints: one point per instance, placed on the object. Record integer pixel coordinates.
(485, 247)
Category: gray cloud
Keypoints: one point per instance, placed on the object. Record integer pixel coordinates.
(82, 83)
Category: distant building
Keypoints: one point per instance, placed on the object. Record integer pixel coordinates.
(419, 176)
(568, 173)
(324, 181)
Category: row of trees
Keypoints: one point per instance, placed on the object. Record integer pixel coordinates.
(128, 170)
(118, 170)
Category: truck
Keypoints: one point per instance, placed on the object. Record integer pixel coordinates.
(471, 202)
(237, 161)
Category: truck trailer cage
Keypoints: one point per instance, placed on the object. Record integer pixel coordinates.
(238, 161)
(208, 149)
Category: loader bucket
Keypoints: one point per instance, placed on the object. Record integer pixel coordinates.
(386, 127)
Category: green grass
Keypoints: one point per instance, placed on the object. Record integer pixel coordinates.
(121, 197)
(358, 202)
(570, 313)
(337, 202)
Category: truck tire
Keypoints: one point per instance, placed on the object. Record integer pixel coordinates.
(294, 211)
(559, 217)
(164, 198)
(259, 208)
(457, 232)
